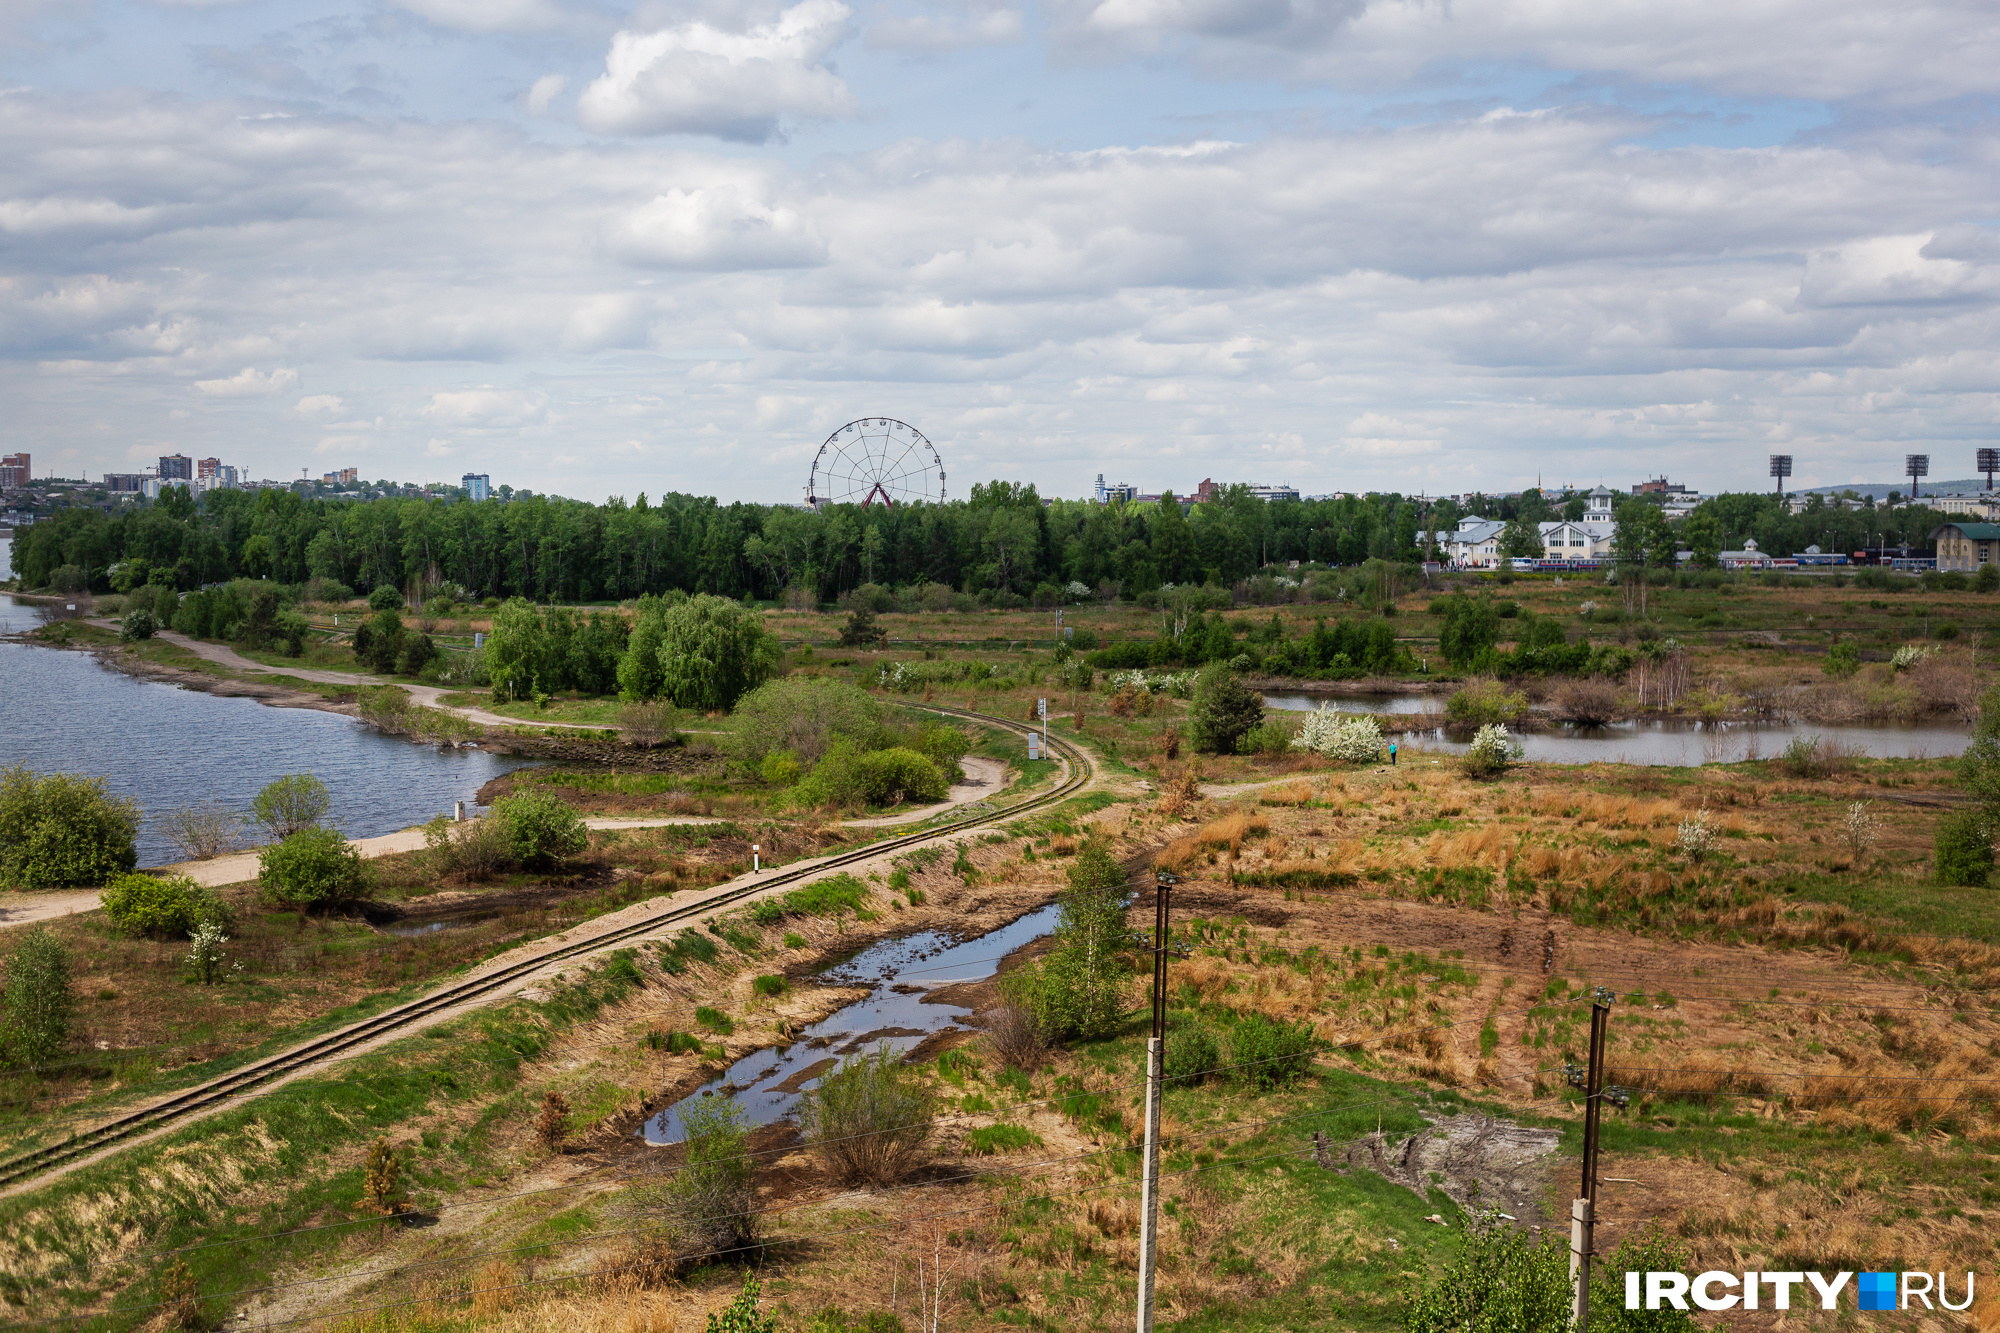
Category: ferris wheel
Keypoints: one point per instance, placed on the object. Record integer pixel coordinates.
(876, 460)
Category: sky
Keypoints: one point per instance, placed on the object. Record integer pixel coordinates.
(596, 248)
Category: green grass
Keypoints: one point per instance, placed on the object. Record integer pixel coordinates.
(1000, 1138)
(1903, 904)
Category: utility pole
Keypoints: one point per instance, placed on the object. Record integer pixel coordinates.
(1582, 1214)
(1156, 1069)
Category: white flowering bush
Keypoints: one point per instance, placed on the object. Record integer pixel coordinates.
(1492, 751)
(1697, 837)
(906, 676)
(206, 959)
(1077, 591)
(1587, 607)
(1355, 739)
(1180, 684)
(1909, 655)
(1860, 828)
(1283, 581)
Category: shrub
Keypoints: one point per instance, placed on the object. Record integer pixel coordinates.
(649, 723)
(139, 624)
(1224, 708)
(312, 868)
(1651, 1251)
(1483, 703)
(1501, 1278)
(869, 1120)
(476, 849)
(385, 598)
(552, 1124)
(1266, 738)
(707, 1202)
(1492, 752)
(1355, 739)
(889, 777)
(39, 1001)
(1963, 848)
(1842, 660)
(292, 804)
(382, 1179)
(63, 829)
(1192, 1056)
(161, 909)
(1269, 1053)
(201, 830)
(206, 961)
(541, 829)
(1014, 1037)
(1697, 837)
(1802, 758)
(1587, 703)
(1910, 655)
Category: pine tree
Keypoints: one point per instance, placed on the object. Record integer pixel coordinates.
(1223, 709)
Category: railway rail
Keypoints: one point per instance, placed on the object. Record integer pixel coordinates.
(218, 1091)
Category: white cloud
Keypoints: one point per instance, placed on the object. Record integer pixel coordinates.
(487, 16)
(318, 402)
(544, 91)
(487, 406)
(249, 382)
(697, 78)
(1831, 49)
(953, 28)
(723, 226)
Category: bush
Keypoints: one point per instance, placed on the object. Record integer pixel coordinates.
(162, 909)
(1587, 703)
(1224, 708)
(1501, 1279)
(201, 830)
(892, 776)
(869, 1120)
(63, 830)
(1014, 1037)
(1268, 1053)
(802, 716)
(1842, 660)
(649, 723)
(385, 598)
(541, 830)
(292, 804)
(138, 625)
(312, 868)
(37, 1006)
(1963, 848)
(1266, 738)
(477, 849)
(707, 1202)
(1484, 702)
(1192, 1056)
(1492, 752)
(1355, 739)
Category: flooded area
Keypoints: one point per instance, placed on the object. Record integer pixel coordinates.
(902, 974)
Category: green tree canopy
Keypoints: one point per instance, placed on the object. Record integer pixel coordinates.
(1223, 709)
(702, 653)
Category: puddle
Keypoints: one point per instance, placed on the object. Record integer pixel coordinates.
(416, 929)
(900, 974)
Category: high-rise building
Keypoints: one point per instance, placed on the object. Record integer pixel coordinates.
(176, 467)
(14, 471)
(1117, 491)
(207, 467)
(478, 485)
(115, 482)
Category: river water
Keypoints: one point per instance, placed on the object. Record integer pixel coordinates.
(168, 746)
(767, 1084)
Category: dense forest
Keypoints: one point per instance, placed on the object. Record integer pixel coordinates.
(1003, 543)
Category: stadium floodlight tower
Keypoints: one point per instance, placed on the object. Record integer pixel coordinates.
(1989, 463)
(1915, 467)
(1781, 467)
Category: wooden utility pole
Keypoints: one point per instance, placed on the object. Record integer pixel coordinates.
(1156, 1059)
(1582, 1215)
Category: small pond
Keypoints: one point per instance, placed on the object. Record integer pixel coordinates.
(900, 973)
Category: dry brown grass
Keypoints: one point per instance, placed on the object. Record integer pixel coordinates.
(1291, 793)
(1232, 829)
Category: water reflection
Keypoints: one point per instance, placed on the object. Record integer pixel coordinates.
(901, 973)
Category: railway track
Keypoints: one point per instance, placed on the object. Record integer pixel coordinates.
(216, 1092)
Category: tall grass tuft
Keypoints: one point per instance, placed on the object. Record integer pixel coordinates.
(870, 1120)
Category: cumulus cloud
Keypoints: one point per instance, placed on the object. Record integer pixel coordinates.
(487, 406)
(543, 92)
(716, 227)
(698, 78)
(1824, 49)
(249, 382)
(318, 402)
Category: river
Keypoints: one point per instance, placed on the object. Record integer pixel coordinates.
(169, 746)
